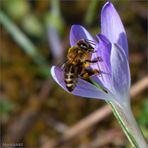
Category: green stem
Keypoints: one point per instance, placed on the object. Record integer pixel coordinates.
(90, 14)
(128, 123)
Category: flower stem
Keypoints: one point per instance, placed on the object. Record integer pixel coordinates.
(128, 123)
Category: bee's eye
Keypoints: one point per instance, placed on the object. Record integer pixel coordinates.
(84, 46)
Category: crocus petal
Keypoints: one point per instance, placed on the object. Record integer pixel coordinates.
(83, 89)
(78, 32)
(112, 27)
(58, 76)
(103, 49)
(120, 73)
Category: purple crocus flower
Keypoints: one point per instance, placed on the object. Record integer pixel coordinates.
(113, 50)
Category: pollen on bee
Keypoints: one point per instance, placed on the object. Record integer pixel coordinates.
(85, 76)
(69, 50)
(96, 71)
(86, 64)
(74, 63)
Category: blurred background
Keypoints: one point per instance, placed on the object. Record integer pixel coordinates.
(34, 110)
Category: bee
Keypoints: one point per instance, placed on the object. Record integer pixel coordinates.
(78, 63)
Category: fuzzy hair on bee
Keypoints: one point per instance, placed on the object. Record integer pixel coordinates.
(78, 63)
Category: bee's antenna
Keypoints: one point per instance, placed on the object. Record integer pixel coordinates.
(90, 42)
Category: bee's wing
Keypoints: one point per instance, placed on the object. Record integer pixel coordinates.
(61, 65)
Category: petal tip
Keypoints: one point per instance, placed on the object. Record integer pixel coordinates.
(112, 26)
(76, 26)
(107, 4)
(78, 32)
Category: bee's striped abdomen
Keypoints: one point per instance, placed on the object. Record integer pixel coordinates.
(70, 77)
(70, 81)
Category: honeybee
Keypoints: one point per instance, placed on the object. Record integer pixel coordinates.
(78, 64)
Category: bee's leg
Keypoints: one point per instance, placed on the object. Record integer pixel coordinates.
(98, 59)
(89, 72)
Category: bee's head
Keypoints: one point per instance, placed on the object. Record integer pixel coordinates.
(83, 44)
